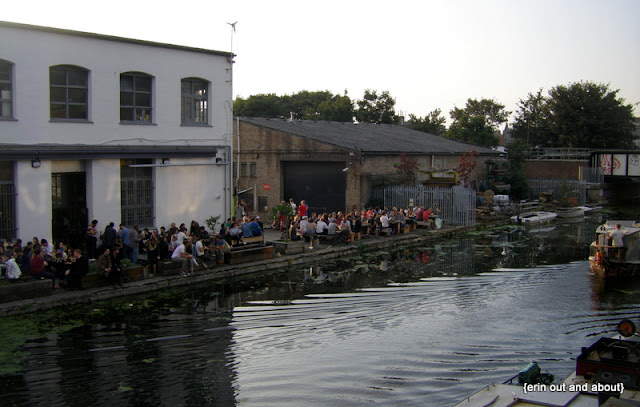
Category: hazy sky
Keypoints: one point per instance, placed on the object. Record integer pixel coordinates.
(427, 54)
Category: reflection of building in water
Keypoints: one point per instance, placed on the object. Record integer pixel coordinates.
(454, 258)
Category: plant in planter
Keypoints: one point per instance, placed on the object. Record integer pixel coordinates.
(212, 222)
(284, 209)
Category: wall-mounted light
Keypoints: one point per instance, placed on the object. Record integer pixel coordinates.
(166, 161)
(35, 163)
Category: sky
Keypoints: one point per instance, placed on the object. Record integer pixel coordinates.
(428, 54)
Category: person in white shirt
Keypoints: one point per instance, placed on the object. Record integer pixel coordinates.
(13, 270)
(202, 252)
(293, 205)
(304, 224)
(186, 260)
(181, 236)
(322, 227)
(384, 220)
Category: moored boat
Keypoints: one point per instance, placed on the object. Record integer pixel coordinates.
(572, 212)
(607, 374)
(608, 261)
(590, 210)
(533, 217)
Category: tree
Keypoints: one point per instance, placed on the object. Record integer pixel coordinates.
(517, 178)
(466, 165)
(478, 122)
(588, 114)
(407, 168)
(532, 122)
(304, 105)
(582, 114)
(376, 109)
(432, 123)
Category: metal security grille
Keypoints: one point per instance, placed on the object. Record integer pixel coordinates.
(136, 189)
(7, 211)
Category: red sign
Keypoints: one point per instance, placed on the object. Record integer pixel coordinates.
(266, 187)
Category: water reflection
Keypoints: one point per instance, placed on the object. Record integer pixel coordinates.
(419, 325)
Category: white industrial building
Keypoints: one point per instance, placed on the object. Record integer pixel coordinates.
(113, 129)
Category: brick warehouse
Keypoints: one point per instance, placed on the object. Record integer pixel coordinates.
(331, 164)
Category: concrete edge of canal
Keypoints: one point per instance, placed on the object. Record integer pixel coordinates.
(62, 298)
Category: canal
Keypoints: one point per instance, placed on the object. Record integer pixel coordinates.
(418, 326)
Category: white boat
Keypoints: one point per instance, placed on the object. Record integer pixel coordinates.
(572, 212)
(589, 210)
(606, 375)
(533, 217)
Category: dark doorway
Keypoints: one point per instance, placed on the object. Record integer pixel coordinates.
(321, 184)
(69, 203)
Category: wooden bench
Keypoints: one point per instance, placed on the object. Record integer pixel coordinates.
(353, 236)
(329, 239)
(425, 224)
(247, 254)
(249, 240)
(385, 232)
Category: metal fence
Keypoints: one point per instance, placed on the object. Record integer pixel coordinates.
(457, 204)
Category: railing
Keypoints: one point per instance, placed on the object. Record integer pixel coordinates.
(559, 154)
(457, 204)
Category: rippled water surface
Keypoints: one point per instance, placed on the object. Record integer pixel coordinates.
(423, 326)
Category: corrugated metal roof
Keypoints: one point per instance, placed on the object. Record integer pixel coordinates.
(368, 137)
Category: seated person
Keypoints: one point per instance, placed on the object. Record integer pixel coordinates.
(111, 273)
(245, 227)
(235, 232)
(321, 227)
(256, 230)
(202, 252)
(221, 247)
(13, 271)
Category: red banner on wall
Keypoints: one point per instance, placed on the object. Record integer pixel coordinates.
(266, 187)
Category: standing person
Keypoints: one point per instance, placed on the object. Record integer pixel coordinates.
(293, 205)
(109, 236)
(245, 208)
(617, 238)
(92, 239)
(153, 252)
(302, 209)
(125, 237)
(79, 268)
(134, 238)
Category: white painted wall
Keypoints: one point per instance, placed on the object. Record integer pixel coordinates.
(33, 52)
(33, 202)
(103, 191)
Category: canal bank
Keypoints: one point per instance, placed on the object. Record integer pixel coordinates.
(311, 256)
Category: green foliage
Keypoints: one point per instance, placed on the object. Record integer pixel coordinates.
(579, 115)
(124, 263)
(283, 208)
(374, 108)
(432, 123)
(407, 168)
(304, 105)
(212, 222)
(478, 122)
(517, 177)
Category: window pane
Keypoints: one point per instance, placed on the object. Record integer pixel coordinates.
(126, 114)
(143, 114)
(77, 77)
(5, 71)
(57, 76)
(5, 109)
(126, 83)
(126, 98)
(77, 95)
(143, 83)
(253, 169)
(58, 94)
(58, 111)
(143, 99)
(77, 111)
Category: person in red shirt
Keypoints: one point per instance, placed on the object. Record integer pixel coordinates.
(302, 209)
(37, 267)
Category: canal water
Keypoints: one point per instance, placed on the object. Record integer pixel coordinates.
(419, 326)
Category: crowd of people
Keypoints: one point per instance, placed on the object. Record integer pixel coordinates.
(344, 225)
(189, 246)
(65, 266)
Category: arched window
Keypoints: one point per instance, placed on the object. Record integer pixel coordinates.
(68, 92)
(136, 97)
(195, 101)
